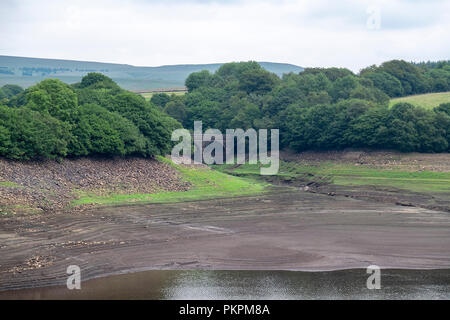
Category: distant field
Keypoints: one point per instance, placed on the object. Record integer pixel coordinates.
(428, 101)
(148, 95)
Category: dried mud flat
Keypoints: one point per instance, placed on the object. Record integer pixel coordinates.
(278, 231)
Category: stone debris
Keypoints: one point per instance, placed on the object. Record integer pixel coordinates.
(48, 185)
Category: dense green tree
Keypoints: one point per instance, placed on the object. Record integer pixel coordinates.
(282, 97)
(439, 79)
(257, 81)
(365, 82)
(48, 122)
(331, 73)
(343, 87)
(246, 117)
(411, 77)
(54, 97)
(370, 94)
(96, 80)
(432, 137)
(443, 107)
(442, 122)
(308, 83)
(99, 131)
(3, 97)
(11, 90)
(232, 71)
(369, 129)
(160, 99)
(207, 111)
(27, 134)
(176, 109)
(318, 97)
(197, 79)
(153, 124)
(320, 108)
(294, 130)
(386, 83)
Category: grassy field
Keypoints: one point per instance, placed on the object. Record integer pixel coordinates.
(148, 95)
(347, 174)
(428, 101)
(206, 184)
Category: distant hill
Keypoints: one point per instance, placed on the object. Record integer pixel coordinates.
(28, 71)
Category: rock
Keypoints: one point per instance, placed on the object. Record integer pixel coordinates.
(50, 185)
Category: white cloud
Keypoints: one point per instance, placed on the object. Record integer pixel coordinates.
(306, 33)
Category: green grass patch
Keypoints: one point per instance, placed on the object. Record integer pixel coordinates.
(428, 101)
(422, 181)
(206, 184)
(346, 174)
(148, 95)
(9, 184)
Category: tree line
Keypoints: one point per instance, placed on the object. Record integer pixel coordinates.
(318, 108)
(94, 117)
(321, 108)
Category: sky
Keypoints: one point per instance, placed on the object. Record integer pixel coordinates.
(317, 33)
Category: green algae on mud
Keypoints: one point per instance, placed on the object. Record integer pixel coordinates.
(206, 184)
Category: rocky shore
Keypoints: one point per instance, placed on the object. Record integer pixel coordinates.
(50, 186)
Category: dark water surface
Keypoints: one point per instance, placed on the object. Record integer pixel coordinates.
(172, 284)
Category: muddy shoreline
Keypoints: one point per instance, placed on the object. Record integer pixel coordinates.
(294, 230)
(432, 201)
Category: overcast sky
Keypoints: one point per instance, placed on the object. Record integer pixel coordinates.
(350, 33)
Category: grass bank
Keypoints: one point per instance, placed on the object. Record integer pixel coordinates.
(352, 175)
(206, 184)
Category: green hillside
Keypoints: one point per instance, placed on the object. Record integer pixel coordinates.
(429, 100)
(29, 71)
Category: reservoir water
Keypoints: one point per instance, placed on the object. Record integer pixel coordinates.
(200, 284)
